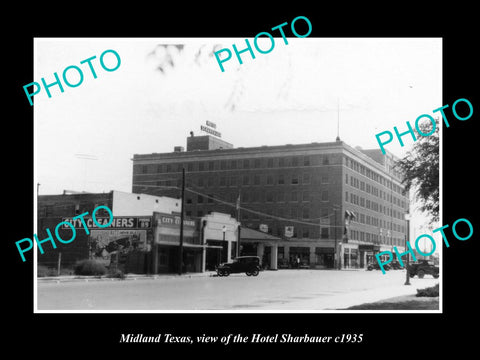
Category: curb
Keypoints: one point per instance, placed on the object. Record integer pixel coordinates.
(134, 277)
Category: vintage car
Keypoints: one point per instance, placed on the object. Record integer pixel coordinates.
(250, 265)
(376, 266)
(422, 268)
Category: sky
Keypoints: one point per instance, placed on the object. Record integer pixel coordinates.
(295, 94)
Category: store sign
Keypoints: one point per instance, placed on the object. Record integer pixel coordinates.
(121, 222)
(289, 231)
(210, 128)
(174, 221)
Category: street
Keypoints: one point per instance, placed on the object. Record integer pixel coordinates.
(284, 290)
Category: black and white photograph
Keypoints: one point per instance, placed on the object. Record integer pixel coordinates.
(288, 182)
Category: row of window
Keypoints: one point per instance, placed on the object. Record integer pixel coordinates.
(261, 197)
(373, 205)
(234, 164)
(361, 169)
(374, 221)
(370, 189)
(246, 180)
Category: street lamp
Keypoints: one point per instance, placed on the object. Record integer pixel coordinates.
(407, 239)
(336, 253)
(224, 230)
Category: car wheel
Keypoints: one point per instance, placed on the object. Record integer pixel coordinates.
(255, 272)
(421, 274)
(226, 272)
(248, 273)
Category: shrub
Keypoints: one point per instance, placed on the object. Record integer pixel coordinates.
(430, 291)
(89, 267)
(43, 271)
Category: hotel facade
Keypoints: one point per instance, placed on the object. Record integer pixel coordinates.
(323, 205)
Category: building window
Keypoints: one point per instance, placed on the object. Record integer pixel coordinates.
(293, 213)
(233, 164)
(294, 196)
(222, 181)
(305, 233)
(223, 165)
(269, 180)
(200, 181)
(305, 196)
(306, 213)
(294, 179)
(256, 180)
(324, 195)
(200, 199)
(269, 197)
(210, 199)
(324, 233)
(281, 196)
(306, 161)
(306, 178)
(281, 162)
(233, 181)
(326, 161)
(256, 163)
(211, 181)
(346, 196)
(245, 180)
(281, 179)
(246, 163)
(144, 169)
(295, 161)
(189, 200)
(201, 166)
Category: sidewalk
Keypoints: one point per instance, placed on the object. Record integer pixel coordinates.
(80, 278)
(335, 301)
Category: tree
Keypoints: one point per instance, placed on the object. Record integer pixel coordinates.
(420, 168)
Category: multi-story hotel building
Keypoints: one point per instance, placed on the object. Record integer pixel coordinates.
(328, 203)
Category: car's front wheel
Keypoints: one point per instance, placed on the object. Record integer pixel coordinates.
(226, 272)
(254, 272)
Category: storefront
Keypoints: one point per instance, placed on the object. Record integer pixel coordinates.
(124, 245)
(367, 254)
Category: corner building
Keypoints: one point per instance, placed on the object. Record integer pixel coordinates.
(329, 204)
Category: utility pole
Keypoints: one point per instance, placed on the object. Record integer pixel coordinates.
(238, 220)
(180, 252)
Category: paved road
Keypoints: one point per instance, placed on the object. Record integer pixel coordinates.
(284, 290)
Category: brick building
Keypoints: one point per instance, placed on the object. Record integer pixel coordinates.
(144, 236)
(329, 204)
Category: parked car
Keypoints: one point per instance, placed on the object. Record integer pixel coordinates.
(395, 265)
(422, 268)
(376, 266)
(250, 265)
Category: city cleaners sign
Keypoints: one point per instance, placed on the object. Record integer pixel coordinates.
(99, 223)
